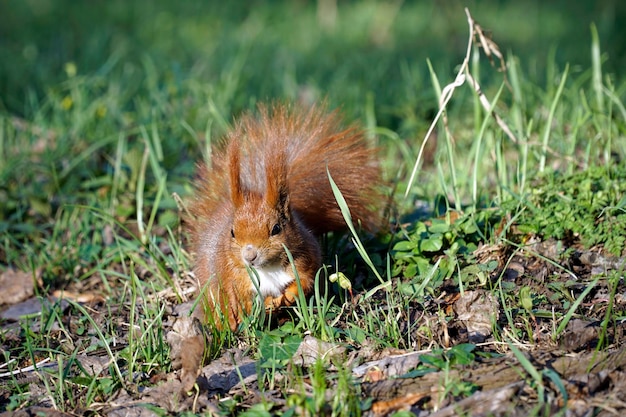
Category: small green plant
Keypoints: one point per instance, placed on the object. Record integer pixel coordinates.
(445, 359)
(589, 206)
(276, 349)
(451, 237)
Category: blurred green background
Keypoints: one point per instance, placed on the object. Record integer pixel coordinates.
(337, 49)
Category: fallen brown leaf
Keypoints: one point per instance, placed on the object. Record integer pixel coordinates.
(16, 286)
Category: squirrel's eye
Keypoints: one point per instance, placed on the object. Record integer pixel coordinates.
(232, 232)
(276, 229)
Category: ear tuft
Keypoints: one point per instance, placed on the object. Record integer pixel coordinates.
(236, 192)
(277, 190)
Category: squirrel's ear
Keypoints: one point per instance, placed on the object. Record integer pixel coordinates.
(277, 191)
(236, 193)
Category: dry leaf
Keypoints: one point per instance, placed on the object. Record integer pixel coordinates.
(16, 286)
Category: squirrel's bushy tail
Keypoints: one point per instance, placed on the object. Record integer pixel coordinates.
(312, 140)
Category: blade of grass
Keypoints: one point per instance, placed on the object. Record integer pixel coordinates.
(120, 150)
(596, 66)
(446, 95)
(103, 339)
(345, 211)
(548, 128)
(479, 140)
(139, 194)
(530, 369)
(574, 307)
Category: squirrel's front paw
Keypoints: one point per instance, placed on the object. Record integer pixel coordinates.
(290, 295)
(285, 299)
(272, 303)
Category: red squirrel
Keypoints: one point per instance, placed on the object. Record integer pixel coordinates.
(268, 189)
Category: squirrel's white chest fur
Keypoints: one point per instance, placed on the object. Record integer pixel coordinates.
(272, 280)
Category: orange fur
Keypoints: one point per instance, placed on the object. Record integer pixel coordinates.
(268, 188)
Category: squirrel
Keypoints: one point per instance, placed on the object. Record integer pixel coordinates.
(267, 190)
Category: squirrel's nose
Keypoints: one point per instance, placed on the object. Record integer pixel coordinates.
(249, 253)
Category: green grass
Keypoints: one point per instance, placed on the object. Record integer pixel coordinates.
(105, 110)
